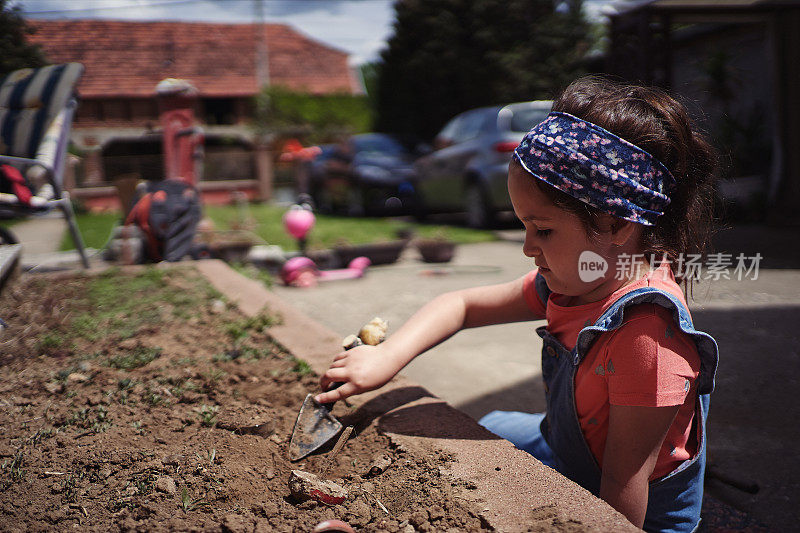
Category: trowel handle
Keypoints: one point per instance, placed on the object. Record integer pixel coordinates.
(334, 385)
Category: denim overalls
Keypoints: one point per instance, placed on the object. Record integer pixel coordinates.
(675, 500)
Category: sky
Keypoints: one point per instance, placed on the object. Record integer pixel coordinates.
(359, 27)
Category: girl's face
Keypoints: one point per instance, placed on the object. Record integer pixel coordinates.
(556, 238)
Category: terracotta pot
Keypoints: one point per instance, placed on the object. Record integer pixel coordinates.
(436, 251)
(379, 253)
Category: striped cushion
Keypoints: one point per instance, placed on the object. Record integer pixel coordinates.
(29, 101)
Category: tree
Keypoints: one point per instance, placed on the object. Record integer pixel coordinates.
(15, 51)
(447, 56)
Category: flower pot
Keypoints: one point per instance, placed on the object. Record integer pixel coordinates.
(436, 250)
(380, 253)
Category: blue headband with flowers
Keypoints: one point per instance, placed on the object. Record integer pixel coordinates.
(597, 167)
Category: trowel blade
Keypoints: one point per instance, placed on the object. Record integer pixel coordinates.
(315, 426)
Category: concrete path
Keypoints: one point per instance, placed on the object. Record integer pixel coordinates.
(40, 238)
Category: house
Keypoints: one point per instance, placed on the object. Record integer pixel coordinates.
(735, 62)
(117, 121)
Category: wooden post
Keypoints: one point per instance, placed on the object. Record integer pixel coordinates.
(265, 173)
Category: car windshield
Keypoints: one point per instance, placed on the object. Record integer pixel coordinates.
(524, 119)
(377, 143)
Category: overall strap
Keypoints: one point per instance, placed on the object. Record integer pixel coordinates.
(614, 317)
(542, 289)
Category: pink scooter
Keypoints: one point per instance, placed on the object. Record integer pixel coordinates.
(301, 271)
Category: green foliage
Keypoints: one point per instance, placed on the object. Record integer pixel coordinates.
(138, 357)
(15, 51)
(318, 118)
(302, 367)
(190, 504)
(241, 329)
(447, 56)
(208, 415)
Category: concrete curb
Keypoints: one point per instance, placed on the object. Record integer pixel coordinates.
(515, 490)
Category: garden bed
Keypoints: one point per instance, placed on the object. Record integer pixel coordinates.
(141, 400)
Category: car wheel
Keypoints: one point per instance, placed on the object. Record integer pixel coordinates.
(322, 199)
(355, 201)
(418, 209)
(478, 214)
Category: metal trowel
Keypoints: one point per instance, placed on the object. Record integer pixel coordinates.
(315, 425)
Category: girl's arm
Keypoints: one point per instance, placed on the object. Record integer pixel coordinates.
(635, 436)
(367, 368)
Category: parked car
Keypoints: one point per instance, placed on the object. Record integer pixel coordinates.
(369, 173)
(468, 168)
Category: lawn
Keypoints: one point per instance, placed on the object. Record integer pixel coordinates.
(266, 221)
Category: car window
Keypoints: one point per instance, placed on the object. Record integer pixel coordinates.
(377, 144)
(450, 128)
(469, 127)
(525, 119)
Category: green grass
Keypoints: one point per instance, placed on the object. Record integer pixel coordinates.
(327, 232)
(116, 304)
(95, 229)
(140, 356)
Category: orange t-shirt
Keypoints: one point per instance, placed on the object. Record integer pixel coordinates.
(647, 361)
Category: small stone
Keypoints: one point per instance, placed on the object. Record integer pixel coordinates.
(307, 486)
(368, 487)
(269, 473)
(104, 473)
(166, 484)
(350, 342)
(54, 388)
(128, 344)
(408, 529)
(85, 366)
(131, 490)
(56, 488)
(436, 513)
(77, 377)
(275, 438)
(418, 518)
(173, 460)
(218, 306)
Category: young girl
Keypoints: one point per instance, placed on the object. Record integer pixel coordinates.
(613, 188)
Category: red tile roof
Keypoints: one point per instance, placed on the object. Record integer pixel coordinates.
(127, 59)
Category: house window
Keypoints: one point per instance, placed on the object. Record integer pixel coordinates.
(116, 110)
(220, 111)
(144, 109)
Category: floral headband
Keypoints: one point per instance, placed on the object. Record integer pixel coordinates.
(597, 167)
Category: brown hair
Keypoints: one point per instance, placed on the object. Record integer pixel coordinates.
(654, 121)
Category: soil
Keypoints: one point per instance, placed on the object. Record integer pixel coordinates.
(141, 400)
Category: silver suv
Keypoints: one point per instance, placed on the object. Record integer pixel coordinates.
(468, 168)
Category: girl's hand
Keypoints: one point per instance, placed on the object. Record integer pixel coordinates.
(361, 369)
